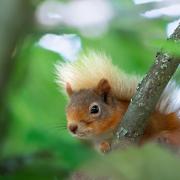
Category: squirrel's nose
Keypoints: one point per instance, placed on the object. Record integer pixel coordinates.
(73, 128)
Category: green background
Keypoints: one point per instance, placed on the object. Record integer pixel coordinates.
(36, 106)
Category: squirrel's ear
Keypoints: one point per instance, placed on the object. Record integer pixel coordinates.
(103, 87)
(69, 89)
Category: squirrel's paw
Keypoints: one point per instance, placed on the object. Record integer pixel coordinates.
(104, 147)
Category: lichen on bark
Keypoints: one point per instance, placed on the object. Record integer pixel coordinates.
(148, 93)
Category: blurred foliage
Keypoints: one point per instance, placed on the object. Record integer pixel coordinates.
(150, 163)
(36, 108)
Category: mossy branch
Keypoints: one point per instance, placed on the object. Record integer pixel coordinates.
(148, 93)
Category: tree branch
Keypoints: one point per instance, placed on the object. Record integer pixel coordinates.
(148, 93)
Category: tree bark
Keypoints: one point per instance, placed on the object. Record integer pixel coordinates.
(148, 93)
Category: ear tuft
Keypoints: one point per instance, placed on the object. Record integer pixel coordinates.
(69, 89)
(103, 87)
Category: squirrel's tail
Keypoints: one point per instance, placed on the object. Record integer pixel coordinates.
(91, 67)
(170, 99)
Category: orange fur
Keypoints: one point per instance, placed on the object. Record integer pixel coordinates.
(161, 123)
(93, 79)
(111, 123)
(158, 123)
(100, 127)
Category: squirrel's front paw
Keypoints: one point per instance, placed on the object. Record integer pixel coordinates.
(104, 147)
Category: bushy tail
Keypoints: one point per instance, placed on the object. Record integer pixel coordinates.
(91, 67)
(170, 99)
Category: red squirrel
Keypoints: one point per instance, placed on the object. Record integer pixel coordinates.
(99, 94)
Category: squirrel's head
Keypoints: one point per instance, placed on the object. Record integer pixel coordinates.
(92, 112)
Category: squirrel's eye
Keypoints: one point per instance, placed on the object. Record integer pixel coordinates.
(94, 108)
